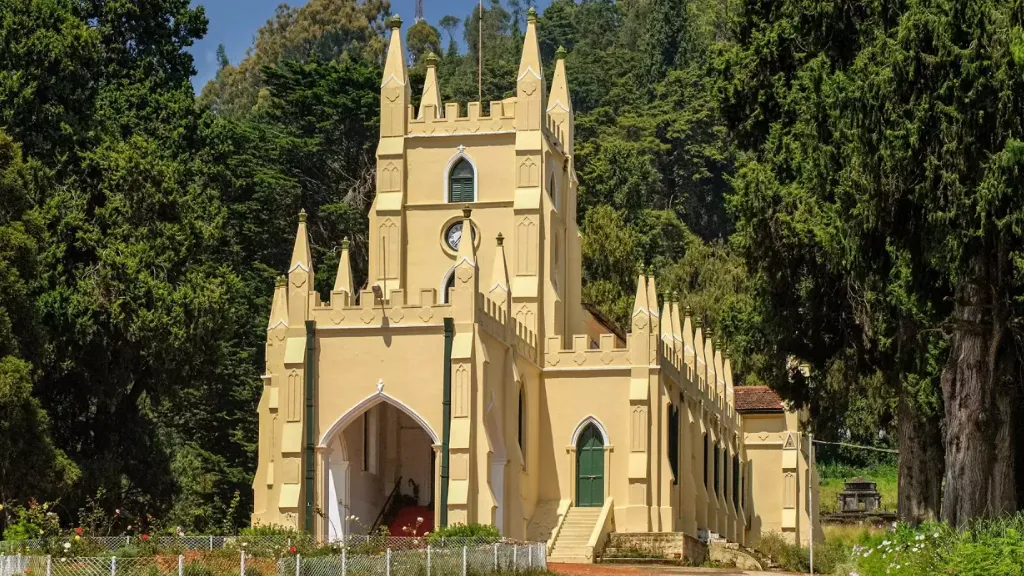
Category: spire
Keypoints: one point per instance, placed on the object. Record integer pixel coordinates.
(677, 327)
(430, 104)
(279, 307)
(530, 89)
(301, 257)
(666, 319)
(467, 279)
(343, 281)
(709, 361)
(300, 275)
(560, 105)
(394, 87)
(652, 301)
(641, 314)
(689, 357)
(467, 251)
(499, 289)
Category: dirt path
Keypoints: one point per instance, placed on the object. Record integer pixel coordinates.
(618, 570)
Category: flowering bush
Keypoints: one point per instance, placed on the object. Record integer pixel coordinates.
(983, 548)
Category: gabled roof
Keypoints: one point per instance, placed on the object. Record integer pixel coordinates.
(757, 400)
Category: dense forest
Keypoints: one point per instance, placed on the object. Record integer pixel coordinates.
(837, 184)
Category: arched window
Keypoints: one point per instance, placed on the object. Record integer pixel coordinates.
(522, 420)
(448, 286)
(460, 182)
(552, 191)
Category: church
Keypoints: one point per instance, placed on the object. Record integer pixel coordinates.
(468, 382)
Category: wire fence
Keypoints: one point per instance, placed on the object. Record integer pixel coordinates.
(429, 560)
(254, 546)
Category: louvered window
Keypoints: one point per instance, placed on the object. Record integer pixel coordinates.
(460, 182)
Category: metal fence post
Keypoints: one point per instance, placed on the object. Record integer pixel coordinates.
(241, 564)
(181, 565)
(387, 565)
(298, 563)
(48, 565)
(344, 561)
(428, 559)
(463, 561)
(495, 556)
(113, 565)
(211, 542)
(515, 558)
(529, 550)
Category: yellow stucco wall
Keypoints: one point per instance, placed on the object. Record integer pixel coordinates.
(521, 338)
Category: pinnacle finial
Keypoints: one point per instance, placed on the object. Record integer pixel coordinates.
(500, 239)
(396, 22)
(710, 333)
(280, 281)
(430, 58)
(697, 320)
(345, 243)
(302, 215)
(560, 53)
(531, 14)
(688, 312)
(466, 211)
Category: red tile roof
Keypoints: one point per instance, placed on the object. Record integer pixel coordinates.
(757, 399)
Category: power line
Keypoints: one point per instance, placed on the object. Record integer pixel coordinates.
(858, 446)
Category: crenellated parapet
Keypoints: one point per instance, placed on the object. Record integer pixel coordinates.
(494, 319)
(396, 311)
(500, 117)
(581, 355)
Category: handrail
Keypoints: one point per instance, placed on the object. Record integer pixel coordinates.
(398, 485)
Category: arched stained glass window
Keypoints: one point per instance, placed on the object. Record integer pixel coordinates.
(460, 182)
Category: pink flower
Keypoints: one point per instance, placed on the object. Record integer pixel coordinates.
(78, 530)
(292, 549)
(145, 536)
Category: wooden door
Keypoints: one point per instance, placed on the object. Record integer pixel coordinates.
(590, 468)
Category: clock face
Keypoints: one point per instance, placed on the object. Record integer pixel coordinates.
(454, 236)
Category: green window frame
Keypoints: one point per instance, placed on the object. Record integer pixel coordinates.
(706, 442)
(461, 182)
(736, 481)
(718, 476)
(673, 442)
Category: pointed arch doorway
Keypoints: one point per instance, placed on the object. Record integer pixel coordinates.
(590, 467)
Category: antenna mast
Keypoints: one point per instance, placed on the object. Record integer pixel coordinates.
(480, 54)
(419, 10)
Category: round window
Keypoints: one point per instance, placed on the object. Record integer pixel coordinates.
(453, 236)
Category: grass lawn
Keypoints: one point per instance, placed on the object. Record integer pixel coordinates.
(833, 478)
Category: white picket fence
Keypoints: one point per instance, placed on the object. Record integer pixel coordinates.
(427, 561)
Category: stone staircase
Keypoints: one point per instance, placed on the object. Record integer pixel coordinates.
(571, 544)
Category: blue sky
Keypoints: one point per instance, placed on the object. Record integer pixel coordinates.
(234, 23)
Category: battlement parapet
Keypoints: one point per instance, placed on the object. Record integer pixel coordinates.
(370, 311)
(582, 355)
(500, 118)
(494, 319)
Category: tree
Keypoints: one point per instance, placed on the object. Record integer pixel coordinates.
(451, 24)
(319, 30)
(31, 465)
(222, 57)
(878, 197)
(421, 39)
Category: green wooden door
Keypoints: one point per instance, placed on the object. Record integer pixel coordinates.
(590, 468)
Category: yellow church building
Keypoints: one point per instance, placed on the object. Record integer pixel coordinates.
(471, 379)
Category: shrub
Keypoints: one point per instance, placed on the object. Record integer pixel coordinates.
(484, 532)
(196, 569)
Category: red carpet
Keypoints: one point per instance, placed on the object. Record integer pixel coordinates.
(407, 522)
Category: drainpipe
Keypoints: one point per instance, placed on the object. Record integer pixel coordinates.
(310, 366)
(446, 414)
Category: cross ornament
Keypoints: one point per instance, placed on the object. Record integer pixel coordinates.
(462, 149)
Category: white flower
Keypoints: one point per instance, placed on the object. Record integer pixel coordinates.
(419, 519)
(936, 535)
(67, 545)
